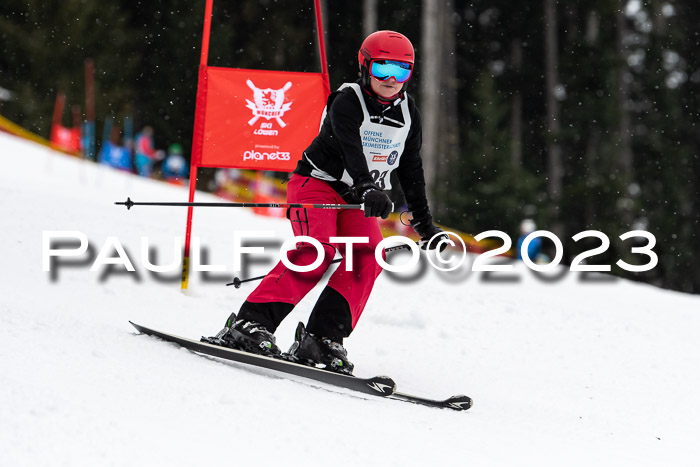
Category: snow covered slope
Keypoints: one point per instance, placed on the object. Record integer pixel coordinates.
(562, 371)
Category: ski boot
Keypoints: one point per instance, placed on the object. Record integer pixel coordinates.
(247, 336)
(320, 352)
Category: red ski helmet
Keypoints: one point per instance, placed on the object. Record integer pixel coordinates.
(384, 45)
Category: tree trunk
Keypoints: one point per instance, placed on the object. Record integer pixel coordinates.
(592, 27)
(429, 60)
(624, 130)
(369, 17)
(447, 155)
(555, 169)
(592, 176)
(594, 137)
(516, 111)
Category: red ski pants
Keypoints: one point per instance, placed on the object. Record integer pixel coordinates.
(288, 286)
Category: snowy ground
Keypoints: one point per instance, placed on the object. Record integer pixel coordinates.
(562, 372)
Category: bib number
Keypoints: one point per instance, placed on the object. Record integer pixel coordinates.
(379, 178)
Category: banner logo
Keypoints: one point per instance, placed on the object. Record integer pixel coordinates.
(269, 156)
(268, 103)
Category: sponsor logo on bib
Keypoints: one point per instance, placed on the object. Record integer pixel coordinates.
(393, 157)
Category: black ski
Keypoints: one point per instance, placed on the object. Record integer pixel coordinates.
(377, 386)
(381, 386)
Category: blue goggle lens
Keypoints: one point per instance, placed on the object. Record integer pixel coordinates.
(385, 69)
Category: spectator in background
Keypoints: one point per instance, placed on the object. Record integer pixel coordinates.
(175, 169)
(527, 226)
(114, 155)
(146, 154)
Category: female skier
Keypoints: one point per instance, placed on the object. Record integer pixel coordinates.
(370, 128)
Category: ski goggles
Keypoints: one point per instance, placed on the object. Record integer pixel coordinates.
(385, 69)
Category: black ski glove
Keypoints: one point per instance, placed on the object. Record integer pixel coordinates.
(377, 203)
(427, 230)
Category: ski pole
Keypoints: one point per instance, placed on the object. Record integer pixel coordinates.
(237, 282)
(128, 203)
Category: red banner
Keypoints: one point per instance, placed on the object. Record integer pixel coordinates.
(67, 139)
(260, 120)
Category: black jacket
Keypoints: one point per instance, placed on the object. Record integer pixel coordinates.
(338, 146)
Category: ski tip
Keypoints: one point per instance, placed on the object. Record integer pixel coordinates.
(459, 402)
